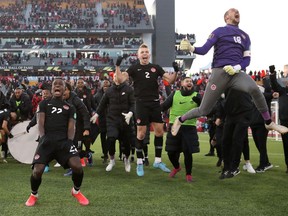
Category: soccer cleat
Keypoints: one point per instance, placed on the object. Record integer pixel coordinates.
(232, 174)
(110, 165)
(46, 169)
(83, 163)
(90, 159)
(31, 200)
(68, 173)
(174, 172)
(80, 197)
(249, 168)
(268, 166)
(146, 161)
(189, 178)
(127, 165)
(161, 166)
(176, 126)
(140, 170)
(57, 165)
(279, 128)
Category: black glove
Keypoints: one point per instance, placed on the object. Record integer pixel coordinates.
(119, 60)
(28, 128)
(10, 136)
(197, 100)
(175, 66)
(125, 56)
(272, 68)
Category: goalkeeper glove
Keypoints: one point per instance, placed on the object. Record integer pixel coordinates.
(186, 46)
(232, 70)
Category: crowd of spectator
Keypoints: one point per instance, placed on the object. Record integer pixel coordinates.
(71, 14)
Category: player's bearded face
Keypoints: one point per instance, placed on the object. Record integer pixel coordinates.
(187, 84)
(144, 55)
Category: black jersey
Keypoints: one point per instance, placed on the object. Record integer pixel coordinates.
(57, 115)
(4, 116)
(145, 80)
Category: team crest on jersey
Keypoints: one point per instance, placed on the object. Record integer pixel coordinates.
(153, 69)
(84, 96)
(66, 107)
(213, 87)
(37, 156)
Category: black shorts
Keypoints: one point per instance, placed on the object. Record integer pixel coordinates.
(186, 140)
(147, 112)
(49, 149)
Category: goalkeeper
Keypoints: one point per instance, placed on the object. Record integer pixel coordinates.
(231, 57)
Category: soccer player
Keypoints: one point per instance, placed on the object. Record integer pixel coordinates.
(56, 124)
(231, 56)
(145, 82)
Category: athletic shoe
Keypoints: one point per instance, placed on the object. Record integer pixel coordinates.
(176, 126)
(80, 197)
(268, 166)
(224, 174)
(46, 169)
(90, 159)
(110, 165)
(140, 170)
(83, 163)
(68, 173)
(146, 161)
(127, 165)
(219, 162)
(260, 169)
(161, 166)
(249, 168)
(210, 154)
(31, 200)
(189, 178)
(57, 165)
(174, 172)
(279, 128)
(232, 174)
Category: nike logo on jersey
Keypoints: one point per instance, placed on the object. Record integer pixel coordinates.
(182, 102)
(49, 104)
(123, 93)
(139, 69)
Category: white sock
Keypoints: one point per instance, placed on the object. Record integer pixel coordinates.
(74, 191)
(139, 161)
(158, 160)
